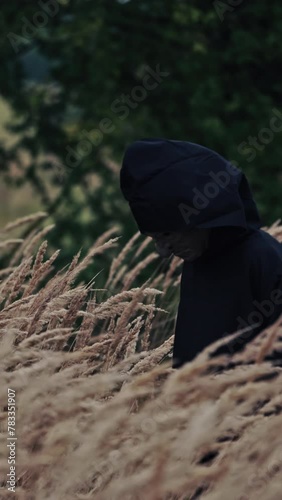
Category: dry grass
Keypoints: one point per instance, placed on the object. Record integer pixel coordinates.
(110, 420)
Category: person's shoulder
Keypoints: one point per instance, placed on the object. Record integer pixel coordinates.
(264, 251)
(261, 239)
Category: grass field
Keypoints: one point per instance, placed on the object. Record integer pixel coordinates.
(105, 416)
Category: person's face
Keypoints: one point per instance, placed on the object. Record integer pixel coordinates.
(187, 245)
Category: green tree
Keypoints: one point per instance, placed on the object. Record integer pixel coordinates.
(111, 72)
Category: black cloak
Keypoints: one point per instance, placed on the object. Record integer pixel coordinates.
(237, 283)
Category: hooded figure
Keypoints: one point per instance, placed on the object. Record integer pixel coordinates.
(199, 206)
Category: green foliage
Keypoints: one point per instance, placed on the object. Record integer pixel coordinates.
(220, 89)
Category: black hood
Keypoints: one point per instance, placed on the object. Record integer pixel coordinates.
(176, 185)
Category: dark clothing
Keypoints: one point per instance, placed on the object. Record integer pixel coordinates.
(237, 282)
(223, 293)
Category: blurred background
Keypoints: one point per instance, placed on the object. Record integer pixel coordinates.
(81, 80)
